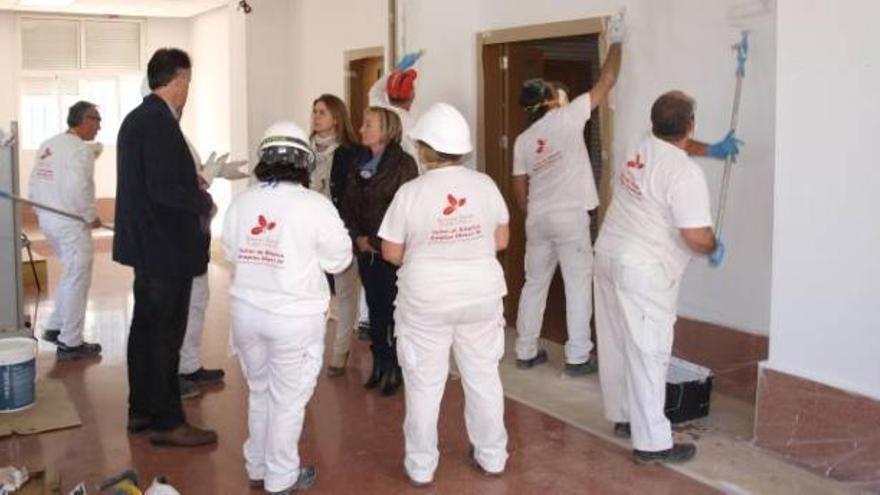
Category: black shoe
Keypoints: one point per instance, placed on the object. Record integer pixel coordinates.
(204, 376)
(255, 484)
(376, 375)
(84, 350)
(622, 430)
(188, 389)
(679, 453)
(392, 381)
(582, 369)
(305, 480)
(363, 330)
(138, 424)
(51, 335)
(540, 358)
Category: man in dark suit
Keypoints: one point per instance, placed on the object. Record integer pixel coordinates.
(162, 235)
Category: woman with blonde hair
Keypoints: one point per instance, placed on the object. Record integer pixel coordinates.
(334, 142)
(375, 174)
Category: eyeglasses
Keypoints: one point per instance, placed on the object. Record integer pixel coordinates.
(94, 117)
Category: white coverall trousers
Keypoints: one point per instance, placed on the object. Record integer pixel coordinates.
(190, 361)
(347, 286)
(72, 242)
(476, 336)
(280, 358)
(635, 314)
(563, 237)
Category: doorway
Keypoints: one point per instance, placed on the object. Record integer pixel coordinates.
(362, 68)
(568, 54)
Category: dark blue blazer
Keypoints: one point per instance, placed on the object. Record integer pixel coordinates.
(158, 201)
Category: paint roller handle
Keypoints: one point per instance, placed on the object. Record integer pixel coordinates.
(12, 197)
(742, 54)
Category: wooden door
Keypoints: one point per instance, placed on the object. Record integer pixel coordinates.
(363, 73)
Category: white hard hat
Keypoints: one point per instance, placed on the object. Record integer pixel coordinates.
(443, 128)
(286, 142)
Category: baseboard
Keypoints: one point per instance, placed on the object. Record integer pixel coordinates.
(732, 355)
(829, 431)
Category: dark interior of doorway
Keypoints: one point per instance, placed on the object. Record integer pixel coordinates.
(574, 62)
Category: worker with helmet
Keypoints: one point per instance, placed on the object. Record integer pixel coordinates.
(282, 238)
(554, 186)
(444, 229)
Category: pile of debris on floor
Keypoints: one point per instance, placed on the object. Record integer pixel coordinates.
(20, 481)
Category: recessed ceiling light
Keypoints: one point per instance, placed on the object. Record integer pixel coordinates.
(45, 3)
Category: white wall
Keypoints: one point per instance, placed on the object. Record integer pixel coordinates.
(270, 67)
(825, 322)
(8, 86)
(210, 95)
(683, 44)
(326, 29)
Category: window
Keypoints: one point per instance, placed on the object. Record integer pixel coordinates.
(64, 60)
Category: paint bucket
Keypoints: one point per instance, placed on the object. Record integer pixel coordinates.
(18, 371)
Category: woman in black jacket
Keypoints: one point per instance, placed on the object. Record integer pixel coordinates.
(375, 173)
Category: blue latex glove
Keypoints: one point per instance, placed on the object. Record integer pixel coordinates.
(717, 256)
(408, 60)
(727, 146)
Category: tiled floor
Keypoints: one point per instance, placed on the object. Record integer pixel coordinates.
(353, 437)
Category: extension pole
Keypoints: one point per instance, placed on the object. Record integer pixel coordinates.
(742, 51)
(12, 197)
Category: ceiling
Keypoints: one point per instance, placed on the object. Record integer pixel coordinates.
(136, 8)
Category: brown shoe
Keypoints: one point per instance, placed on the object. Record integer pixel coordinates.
(183, 436)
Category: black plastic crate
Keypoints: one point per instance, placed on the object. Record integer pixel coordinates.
(688, 391)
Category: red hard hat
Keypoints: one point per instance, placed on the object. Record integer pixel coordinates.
(401, 85)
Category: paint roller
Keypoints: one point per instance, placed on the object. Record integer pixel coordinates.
(742, 53)
(72, 216)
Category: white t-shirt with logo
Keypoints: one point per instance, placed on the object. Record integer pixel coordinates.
(657, 190)
(64, 177)
(282, 239)
(446, 218)
(553, 154)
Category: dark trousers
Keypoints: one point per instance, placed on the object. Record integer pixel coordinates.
(161, 308)
(379, 279)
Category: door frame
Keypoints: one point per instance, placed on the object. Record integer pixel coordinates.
(562, 29)
(350, 56)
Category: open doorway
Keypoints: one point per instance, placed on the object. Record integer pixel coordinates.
(569, 54)
(362, 68)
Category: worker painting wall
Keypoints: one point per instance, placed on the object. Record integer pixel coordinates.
(826, 276)
(684, 44)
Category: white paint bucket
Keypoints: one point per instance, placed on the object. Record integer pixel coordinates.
(18, 371)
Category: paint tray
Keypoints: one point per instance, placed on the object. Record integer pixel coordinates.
(688, 391)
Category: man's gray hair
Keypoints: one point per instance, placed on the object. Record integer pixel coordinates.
(77, 113)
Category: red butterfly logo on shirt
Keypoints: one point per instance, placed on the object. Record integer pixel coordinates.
(262, 225)
(637, 163)
(541, 145)
(454, 204)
